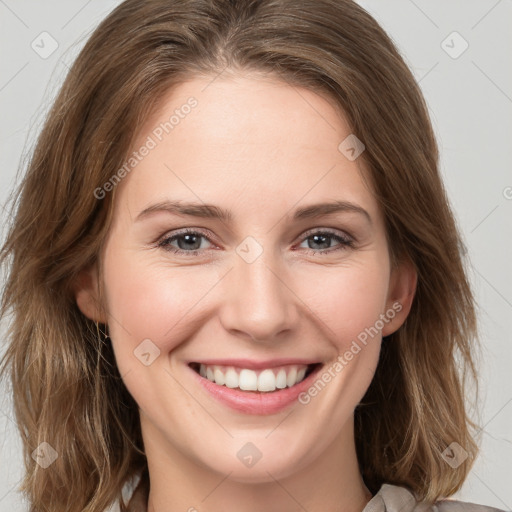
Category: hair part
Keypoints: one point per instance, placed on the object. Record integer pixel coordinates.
(60, 368)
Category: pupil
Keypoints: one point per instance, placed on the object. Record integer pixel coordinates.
(189, 240)
(315, 237)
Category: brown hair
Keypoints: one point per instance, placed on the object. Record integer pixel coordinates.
(61, 368)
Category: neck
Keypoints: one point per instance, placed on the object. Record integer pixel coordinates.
(331, 482)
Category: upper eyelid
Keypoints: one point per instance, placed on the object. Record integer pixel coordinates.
(305, 234)
(333, 231)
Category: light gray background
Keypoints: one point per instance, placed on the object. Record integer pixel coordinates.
(470, 101)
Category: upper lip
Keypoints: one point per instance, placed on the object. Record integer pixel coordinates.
(256, 365)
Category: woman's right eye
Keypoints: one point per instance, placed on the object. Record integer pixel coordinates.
(189, 242)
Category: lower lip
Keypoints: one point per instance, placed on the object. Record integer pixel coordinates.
(252, 402)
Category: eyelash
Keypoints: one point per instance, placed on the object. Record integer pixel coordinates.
(164, 243)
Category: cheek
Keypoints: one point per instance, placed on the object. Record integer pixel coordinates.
(149, 300)
(348, 299)
(349, 304)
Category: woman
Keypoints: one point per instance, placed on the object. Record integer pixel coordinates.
(235, 277)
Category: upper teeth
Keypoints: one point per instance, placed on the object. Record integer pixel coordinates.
(249, 380)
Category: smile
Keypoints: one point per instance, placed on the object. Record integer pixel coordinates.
(245, 379)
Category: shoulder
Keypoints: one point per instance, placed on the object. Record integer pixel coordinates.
(463, 506)
(394, 498)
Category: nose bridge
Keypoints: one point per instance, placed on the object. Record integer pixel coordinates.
(260, 304)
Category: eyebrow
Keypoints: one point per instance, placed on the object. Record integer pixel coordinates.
(214, 212)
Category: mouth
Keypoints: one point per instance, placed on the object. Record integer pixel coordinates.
(255, 381)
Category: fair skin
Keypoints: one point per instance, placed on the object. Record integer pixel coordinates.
(261, 149)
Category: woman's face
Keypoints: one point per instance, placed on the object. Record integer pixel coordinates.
(267, 286)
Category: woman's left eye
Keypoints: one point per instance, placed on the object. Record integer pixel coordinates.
(321, 237)
(189, 242)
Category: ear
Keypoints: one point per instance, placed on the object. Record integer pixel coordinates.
(86, 291)
(401, 291)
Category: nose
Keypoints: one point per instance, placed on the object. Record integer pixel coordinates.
(258, 300)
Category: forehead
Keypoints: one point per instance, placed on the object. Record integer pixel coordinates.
(228, 103)
(248, 136)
